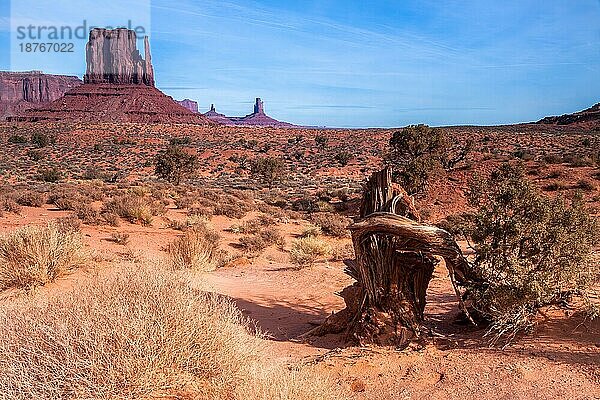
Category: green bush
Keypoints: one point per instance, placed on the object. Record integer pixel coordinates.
(175, 164)
(531, 250)
(418, 151)
(268, 170)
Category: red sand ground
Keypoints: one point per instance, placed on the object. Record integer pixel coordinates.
(560, 359)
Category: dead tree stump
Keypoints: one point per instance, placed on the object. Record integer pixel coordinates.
(395, 259)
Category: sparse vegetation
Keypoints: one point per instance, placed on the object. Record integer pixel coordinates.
(307, 251)
(196, 249)
(120, 238)
(33, 256)
(142, 333)
(331, 224)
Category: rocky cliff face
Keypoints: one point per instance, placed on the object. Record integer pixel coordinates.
(112, 57)
(23, 90)
(189, 104)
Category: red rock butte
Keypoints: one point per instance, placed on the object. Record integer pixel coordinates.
(118, 87)
(257, 118)
(24, 90)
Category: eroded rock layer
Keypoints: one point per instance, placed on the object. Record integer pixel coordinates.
(114, 103)
(23, 90)
(112, 57)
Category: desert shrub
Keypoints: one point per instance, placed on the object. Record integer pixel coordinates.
(418, 151)
(120, 238)
(142, 333)
(253, 244)
(88, 214)
(555, 186)
(343, 158)
(232, 208)
(577, 160)
(554, 174)
(175, 164)
(331, 224)
(50, 174)
(41, 139)
(306, 251)
(321, 141)
(553, 158)
(17, 139)
(33, 255)
(110, 218)
(524, 154)
(530, 250)
(201, 211)
(178, 141)
(70, 223)
(269, 170)
(30, 198)
(9, 205)
(35, 155)
(134, 207)
(272, 236)
(185, 201)
(311, 230)
(196, 249)
(585, 185)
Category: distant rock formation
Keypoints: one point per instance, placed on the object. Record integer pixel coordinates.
(214, 116)
(189, 104)
(589, 117)
(259, 107)
(113, 103)
(23, 90)
(257, 118)
(112, 57)
(119, 87)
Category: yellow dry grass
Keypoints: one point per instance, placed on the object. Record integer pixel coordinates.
(140, 332)
(35, 255)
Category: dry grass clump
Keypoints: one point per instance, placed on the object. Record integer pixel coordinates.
(30, 198)
(306, 251)
(9, 205)
(332, 224)
(260, 234)
(33, 256)
(142, 333)
(135, 207)
(197, 248)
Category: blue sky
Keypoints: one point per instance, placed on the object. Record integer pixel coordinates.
(376, 63)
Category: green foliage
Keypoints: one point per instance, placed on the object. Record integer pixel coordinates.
(17, 139)
(41, 139)
(175, 164)
(178, 141)
(321, 141)
(50, 174)
(418, 151)
(343, 158)
(268, 170)
(531, 250)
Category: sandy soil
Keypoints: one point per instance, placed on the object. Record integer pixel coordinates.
(560, 359)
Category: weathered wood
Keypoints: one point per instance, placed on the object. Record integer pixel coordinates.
(381, 194)
(413, 236)
(395, 260)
